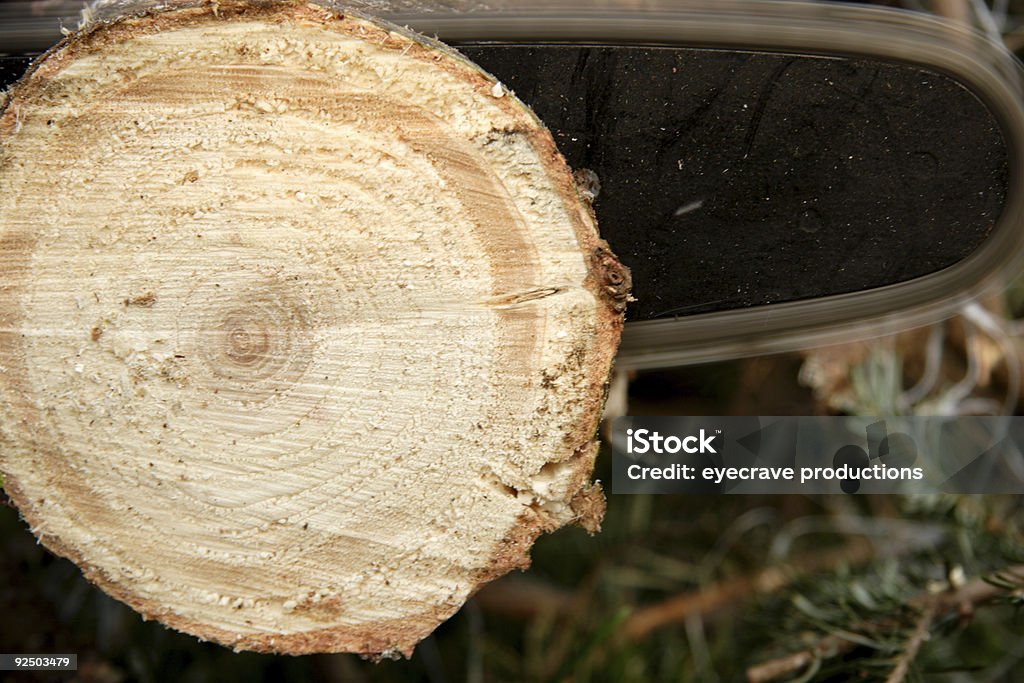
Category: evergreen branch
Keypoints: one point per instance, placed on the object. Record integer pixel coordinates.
(962, 599)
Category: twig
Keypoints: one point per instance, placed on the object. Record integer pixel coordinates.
(827, 647)
(526, 598)
(709, 600)
(920, 634)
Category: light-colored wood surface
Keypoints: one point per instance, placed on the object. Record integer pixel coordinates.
(304, 329)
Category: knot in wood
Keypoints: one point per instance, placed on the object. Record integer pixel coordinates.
(615, 279)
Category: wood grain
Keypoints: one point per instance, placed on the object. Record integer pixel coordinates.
(304, 328)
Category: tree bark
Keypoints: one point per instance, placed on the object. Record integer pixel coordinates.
(304, 328)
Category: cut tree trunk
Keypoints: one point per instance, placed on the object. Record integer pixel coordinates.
(304, 329)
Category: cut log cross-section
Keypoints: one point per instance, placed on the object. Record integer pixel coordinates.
(304, 327)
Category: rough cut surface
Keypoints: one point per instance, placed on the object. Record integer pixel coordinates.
(304, 330)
